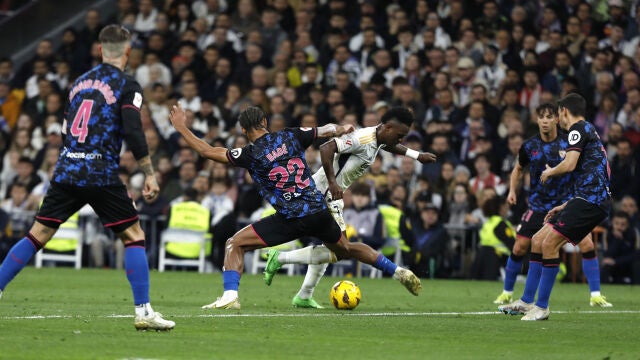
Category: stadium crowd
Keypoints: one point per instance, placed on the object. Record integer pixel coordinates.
(472, 71)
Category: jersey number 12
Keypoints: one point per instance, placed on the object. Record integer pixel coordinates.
(80, 124)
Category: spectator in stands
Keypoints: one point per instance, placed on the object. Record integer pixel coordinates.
(428, 242)
(10, 104)
(497, 236)
(365, 217)
(20, 210)
(621, 258)
(44, 52)
(484, 177)
(470, 47)
(623, 168)
(605, 114)
(491, 72)
(466, 70)
(532, 90)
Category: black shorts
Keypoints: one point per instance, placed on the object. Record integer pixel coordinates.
(530, 223)
(276, 229)
(577, 219)
(112, 204)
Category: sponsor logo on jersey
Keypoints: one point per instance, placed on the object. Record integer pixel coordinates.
(82, 155)
(574, 137)
(306, 128)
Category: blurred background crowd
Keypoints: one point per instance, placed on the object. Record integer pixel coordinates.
(472, 71)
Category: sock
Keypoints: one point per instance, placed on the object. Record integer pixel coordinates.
(231, 280)
(137, 268)
(550, 268)
(513, 268)
(591, 270)
(533, 278)
(144, 310)
(308, 255)
(387, 266)
(17, 258)
(311, 280)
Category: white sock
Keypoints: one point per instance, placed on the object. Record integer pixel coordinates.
(396, 274)
(507, 292)
(308, 255)
(229, 295)
(311, 280)
(595, 293)
(144, 310)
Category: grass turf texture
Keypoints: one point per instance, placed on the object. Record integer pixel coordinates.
(67, 314)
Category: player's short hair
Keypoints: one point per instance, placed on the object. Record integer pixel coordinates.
(114, 39)
(400, 114)
(251, 118)
(545, 108)
(575, 103)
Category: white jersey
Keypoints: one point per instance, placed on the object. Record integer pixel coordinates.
(356, 152)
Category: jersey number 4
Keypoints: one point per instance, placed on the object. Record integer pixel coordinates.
(80, 124)
(281, 174)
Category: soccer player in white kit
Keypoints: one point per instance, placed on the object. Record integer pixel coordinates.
(346, 158)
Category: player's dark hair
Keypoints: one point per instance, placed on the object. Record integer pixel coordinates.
(251, 118)
(547, 108)
(575, 103)
(114, 34)
(399, 114)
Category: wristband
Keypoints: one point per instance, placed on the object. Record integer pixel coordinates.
(412, 154)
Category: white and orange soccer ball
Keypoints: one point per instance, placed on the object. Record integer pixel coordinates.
(345, 295)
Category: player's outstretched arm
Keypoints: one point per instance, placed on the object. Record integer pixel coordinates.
(514, 183)
(423, 157)
(178, 118)
(331, 130)
(566, 166)
(327, 152)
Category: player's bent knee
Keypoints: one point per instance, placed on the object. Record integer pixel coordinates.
(42, 233)
(132, 233)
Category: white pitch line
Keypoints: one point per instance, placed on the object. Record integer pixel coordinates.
(322, 314)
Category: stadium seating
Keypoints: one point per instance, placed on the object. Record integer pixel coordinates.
(182, 236)
(70, 236)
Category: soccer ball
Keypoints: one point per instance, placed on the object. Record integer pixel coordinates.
(345, 295)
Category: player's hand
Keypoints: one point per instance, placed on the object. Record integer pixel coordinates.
(151, 189)
(426, 157)
(177, 116)
(344, 129)
(336, 191)
(608, 261)
(512, 198)
(553, 212)
(545, 174)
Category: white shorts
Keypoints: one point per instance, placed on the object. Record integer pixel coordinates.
(336, 207)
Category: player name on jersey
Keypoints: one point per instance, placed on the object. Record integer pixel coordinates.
(279, 151)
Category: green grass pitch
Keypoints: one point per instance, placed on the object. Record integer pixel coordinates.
(67, 314)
